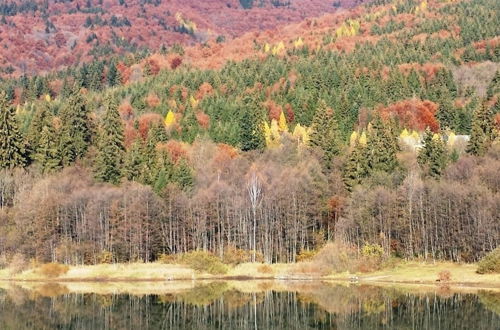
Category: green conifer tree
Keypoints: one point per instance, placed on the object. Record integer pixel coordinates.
(356, 167)
(47, 153)
(75, 129)
(325, 133)
(382, 147)
(251, 131)
(109, 160)
(133, 162)
(183, 175)
(433, 156)
(481, 132)
(12, 148)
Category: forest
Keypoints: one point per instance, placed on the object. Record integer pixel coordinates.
(377, 126)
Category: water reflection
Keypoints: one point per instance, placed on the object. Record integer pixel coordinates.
(242, 305)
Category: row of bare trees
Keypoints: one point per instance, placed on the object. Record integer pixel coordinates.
(275, 203)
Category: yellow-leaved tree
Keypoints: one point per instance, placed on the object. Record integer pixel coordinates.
(301, 134)
(282, 125)
(452, 138)
(169, 118)
(194, 102)
(363, 139)
(353, 139)
(298, 43)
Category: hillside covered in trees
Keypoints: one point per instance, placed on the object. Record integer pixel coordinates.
(42, 35)
(374, 127)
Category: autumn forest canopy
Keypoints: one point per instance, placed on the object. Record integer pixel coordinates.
(377, 127)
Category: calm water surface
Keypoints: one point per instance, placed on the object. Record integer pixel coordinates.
(243, 305)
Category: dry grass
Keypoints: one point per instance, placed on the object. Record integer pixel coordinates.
(427, 272)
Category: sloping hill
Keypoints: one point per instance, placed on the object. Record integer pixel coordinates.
(41, 35)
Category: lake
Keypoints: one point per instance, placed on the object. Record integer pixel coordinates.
(244, 305)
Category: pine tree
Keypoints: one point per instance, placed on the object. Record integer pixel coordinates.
(75, 130)
(494, 86)
(356, 166)
(447, 114)
(382, 148)
(162, 172)
(183, 175)
(111, 149)
(481, 132)
(39, 120)
(251, 131)
(12, 148)
(433, 155)
(47, 153)
(325, 133)
(133, 162)
(113, 76)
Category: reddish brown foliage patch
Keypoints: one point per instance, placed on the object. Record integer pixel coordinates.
(203, 119)
(146, 121)
(414, 114)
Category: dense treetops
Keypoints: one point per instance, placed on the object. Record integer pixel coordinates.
(320, 121)
(40, 35)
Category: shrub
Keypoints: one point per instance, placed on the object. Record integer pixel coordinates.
(265, 269)
(167, 258)
(444, 276)
(202, 261)
(372, 250)
(17, 264)
(105, 257)
(52, 270)
(306, 255)
(236, 256)
(490, 263)
(336, 257)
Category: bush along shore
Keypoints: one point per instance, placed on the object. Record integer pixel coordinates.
(332, 262)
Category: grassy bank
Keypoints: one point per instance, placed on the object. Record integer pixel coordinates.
(403, 272)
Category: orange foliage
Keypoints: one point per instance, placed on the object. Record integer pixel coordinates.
(124, 71)
(224, 155)
(274, 110)
(428, 70)
(203, 119)
(205, 90)
(130, 134)
(175, 149)
(146, 121)
(414, 114)
(290, 115)
(152, 100)
(496, 121)
(126, 110)
(175, 62)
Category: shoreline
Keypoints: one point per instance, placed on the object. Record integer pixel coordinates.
(408, 273)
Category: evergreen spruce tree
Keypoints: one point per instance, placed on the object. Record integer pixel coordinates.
(133, 162)
(251, 131)
(12, 148)
(447, 114)
(75, 129)
(162, 172)
(158, 133)
(482, 131)
(325, 133)
(113, 76)
(47, 153)
(356, 166)
(494, 85)
(109, 160)
(382, 147)
(39, 120)
(183, 175)
(433, 155)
